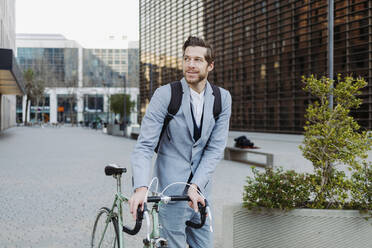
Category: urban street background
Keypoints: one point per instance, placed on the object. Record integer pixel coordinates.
(53, 182)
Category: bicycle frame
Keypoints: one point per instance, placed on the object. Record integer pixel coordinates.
(118, 201)
(153, 238)
(155, 233)
(117, 204)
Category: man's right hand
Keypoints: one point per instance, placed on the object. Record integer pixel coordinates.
(137, 200)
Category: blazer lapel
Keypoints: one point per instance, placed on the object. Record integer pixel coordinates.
(207, 111)
(186, 107)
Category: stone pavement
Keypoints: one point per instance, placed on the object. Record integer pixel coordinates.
(52, 182)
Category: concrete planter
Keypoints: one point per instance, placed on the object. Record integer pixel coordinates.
(305, 228)
(110, 128)
(116, 130)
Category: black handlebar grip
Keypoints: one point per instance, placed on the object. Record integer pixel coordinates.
(138, 225)
(203, 216)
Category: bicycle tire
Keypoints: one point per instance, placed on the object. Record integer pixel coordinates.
(111, 237)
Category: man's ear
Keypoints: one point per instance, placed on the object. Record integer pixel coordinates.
(211, 66)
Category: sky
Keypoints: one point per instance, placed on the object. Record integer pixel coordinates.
(84, 21)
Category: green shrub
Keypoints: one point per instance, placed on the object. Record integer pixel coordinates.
(277, 189)
(117, 104)
(332, 137)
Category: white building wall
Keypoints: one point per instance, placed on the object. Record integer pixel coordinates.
(52, 105)
(80, 92)
(7, 40)
(8, 111)
(7, 24)
(80, 106)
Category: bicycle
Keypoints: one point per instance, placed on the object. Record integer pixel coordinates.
(106, 232)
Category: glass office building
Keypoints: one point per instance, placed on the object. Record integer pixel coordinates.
(164, 26)
(98, 68)
(78, 81)
(262, 50)
(133, 67)
(57, 67)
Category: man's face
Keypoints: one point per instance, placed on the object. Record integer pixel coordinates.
(195, 67)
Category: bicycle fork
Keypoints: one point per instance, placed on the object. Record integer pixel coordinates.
(153, 240)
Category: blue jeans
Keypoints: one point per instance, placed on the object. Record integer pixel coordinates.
(172, 218)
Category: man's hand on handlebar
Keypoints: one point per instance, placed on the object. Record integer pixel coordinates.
(137, 200)
(138, 207)
(195, 197)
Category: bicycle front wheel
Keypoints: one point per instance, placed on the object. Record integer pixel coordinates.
(105, 231)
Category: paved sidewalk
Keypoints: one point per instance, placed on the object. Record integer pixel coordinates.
(52, 182)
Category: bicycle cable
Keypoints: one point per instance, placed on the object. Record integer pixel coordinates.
(148, 188)
(188, 184)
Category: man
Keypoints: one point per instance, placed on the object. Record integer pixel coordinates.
(189, 150)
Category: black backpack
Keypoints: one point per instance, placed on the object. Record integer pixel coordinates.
(175, 103)
(243, 142)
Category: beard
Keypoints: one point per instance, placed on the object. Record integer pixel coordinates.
(196, 78)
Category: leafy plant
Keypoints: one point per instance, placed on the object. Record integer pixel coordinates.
(117, 104)
(276, 189)
(332, 138)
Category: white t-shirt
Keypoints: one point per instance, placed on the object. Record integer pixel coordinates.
(197, 102)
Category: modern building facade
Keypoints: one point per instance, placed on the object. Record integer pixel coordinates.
(11, 83)
(78, 81)
(262, 50)
(133, 64)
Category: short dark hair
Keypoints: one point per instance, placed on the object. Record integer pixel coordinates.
(196, 41)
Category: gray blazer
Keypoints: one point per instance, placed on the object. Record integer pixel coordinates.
(178, 153)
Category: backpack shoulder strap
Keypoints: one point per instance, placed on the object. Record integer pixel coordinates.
(173, 107)
(176, 98)
(217, 106)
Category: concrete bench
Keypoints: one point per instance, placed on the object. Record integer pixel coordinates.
(134, 135)
(241, 155)
(135, 131)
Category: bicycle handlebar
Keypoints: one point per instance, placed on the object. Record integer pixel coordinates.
(203, 216)
(166, 199)
(202, 209)
(138, 225)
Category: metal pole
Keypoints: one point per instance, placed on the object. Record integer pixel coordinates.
(125, 106)
(95, 106)
(150, 81)
(330, 46)
(108, 101)
(109, 106)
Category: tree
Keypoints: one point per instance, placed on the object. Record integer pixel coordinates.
(29, 84)
(117, 105)
(38, 95)
(34, 90)
(45, 76)
(71, 85)
(332, 138)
